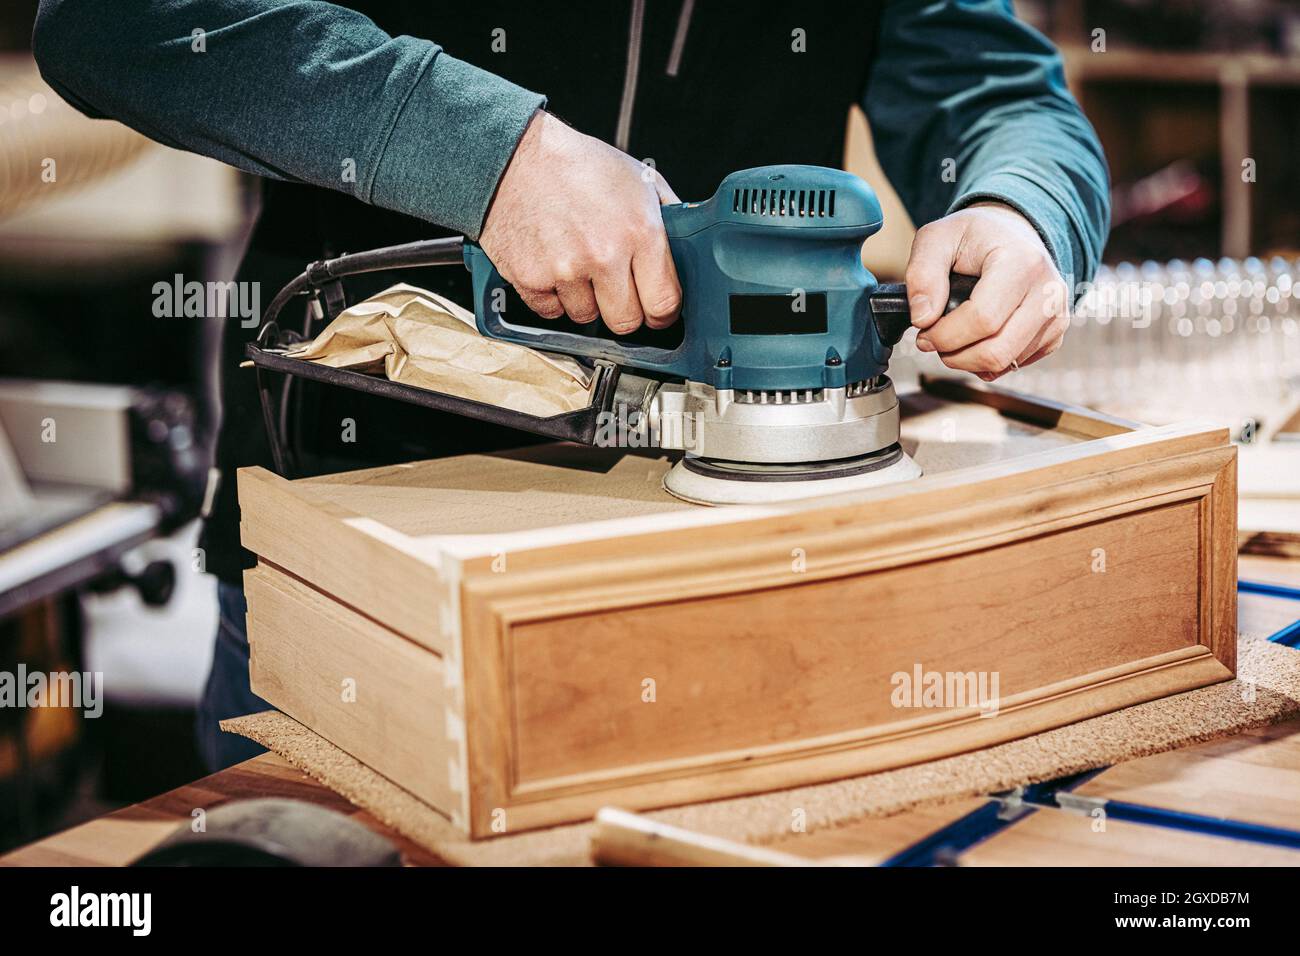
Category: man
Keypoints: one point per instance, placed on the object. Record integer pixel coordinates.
(426, 114)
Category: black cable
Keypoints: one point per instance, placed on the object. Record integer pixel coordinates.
(425, 252)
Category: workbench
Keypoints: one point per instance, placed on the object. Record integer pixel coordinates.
(1252, 778)
(117, 838)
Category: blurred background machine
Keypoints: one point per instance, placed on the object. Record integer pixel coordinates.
(1194, 315)
(107, 415)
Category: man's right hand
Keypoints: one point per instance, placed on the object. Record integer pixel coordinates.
(575, 227)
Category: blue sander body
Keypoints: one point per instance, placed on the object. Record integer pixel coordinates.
(777, 386)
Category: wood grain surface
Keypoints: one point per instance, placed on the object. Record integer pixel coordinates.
(599, 641)
(362, 687)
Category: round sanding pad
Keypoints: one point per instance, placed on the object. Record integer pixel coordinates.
(716, 483)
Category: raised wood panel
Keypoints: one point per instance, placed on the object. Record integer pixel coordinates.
(807, 660)
(1184, 476)
(305, 646)
(753, 771)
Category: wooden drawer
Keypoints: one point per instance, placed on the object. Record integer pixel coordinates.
(533, 635)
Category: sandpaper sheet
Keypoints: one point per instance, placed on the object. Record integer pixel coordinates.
(420, 338)
(1267, 690)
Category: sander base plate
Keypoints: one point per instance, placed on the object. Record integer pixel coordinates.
(706, 482)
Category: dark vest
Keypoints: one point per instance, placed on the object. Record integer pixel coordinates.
(741, 95)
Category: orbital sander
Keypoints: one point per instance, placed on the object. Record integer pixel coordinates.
(775, 387)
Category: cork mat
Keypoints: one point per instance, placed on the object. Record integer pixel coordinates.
(1267, 690)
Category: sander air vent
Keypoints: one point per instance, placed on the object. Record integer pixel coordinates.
(798, 203)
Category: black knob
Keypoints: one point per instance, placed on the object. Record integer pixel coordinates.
(892, 314)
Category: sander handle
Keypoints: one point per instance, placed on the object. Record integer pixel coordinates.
(892, 314)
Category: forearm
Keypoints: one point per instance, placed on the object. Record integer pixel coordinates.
(966, 105)
(306, 91)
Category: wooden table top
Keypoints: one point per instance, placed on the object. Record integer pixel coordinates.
(117, 838)
(1253, 777)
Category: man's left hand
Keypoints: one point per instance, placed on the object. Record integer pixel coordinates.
(1019, 309)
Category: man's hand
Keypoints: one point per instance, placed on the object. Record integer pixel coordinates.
(575, 227)
(1019, 309)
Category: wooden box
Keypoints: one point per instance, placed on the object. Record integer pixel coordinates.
(520, 639)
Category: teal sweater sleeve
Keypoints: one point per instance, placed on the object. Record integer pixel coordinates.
(966, 104)
(298, 90)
